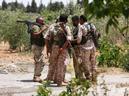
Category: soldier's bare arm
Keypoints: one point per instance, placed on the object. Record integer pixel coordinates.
(40, 31)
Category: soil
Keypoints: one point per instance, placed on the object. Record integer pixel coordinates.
(13, 83)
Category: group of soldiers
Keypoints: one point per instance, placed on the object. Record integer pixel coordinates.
(61, 43)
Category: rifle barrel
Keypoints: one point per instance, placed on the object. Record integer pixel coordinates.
(19, 21)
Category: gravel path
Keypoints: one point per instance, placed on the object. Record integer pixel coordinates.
(16, 79)
(20, 84)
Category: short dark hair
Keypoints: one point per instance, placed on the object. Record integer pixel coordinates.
(83, 17)
(74, 18)
(63, 18)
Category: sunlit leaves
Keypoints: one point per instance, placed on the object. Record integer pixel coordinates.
(108, 8)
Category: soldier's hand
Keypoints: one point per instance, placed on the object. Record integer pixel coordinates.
(48, 53)
(46, 26)
(61, 50)
(62, 25)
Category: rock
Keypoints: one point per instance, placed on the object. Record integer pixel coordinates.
(11, 67)
(3, 72)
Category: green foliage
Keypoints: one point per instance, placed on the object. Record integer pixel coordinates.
(43, 90)
(108, 8)
(109, 54)
(50, 16)
(41, 7)
(79, 1)
(125, 60)
(16, 34)
(77, 88)
(56, 6)
(4, 5)
(13, 6)
(33, 6)
(12, 32)
(28, 8)
(86, 7)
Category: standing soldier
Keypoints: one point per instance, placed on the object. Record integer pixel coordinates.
(78, 73)
(37, 42)
(59, 34)
(87, 47)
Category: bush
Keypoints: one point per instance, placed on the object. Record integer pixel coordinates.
(77, 88)
(43, 90)
(16, 34)
(125, 61)
(109, 54)
(12, 32)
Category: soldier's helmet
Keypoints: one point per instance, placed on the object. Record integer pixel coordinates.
(40, 20)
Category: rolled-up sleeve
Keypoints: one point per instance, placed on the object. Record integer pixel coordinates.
(35, 28)
(48, 33)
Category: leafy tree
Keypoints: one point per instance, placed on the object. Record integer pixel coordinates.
(41, 6)
(56, 6)
(21, 6)
(33, 6)
(79, 1)
(70, 8)
(28, 8)
(4, 5)
(85, 3)
(16, 4)
(113, 9)
(13, 33)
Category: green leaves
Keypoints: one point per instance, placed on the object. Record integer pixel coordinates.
(109, 54)
(112, 22)
(43, 90)
(12, 32)
(108, 8)
(77, 88)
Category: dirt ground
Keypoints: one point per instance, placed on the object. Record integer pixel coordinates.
(115, 79)
(6, 55)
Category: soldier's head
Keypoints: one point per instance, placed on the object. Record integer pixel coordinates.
(75, 20)
(83, 19)
(40, 20)
(63, 18)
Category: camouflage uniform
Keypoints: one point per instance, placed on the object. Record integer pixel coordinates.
(87, 54)
(37, 43)
(58, 61)
(52, 60)
(78, 73)
(38, 58)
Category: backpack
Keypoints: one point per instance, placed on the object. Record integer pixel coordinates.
(92, 34)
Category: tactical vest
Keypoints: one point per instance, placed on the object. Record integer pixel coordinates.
(59, 37)
(91, 35)
(37, 40)
(75, 33)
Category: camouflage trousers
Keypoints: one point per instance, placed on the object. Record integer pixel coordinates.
(76, 64)
(57, 66)
(38, 59)
(86, 65)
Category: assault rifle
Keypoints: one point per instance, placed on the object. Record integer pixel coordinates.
(29, 24)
